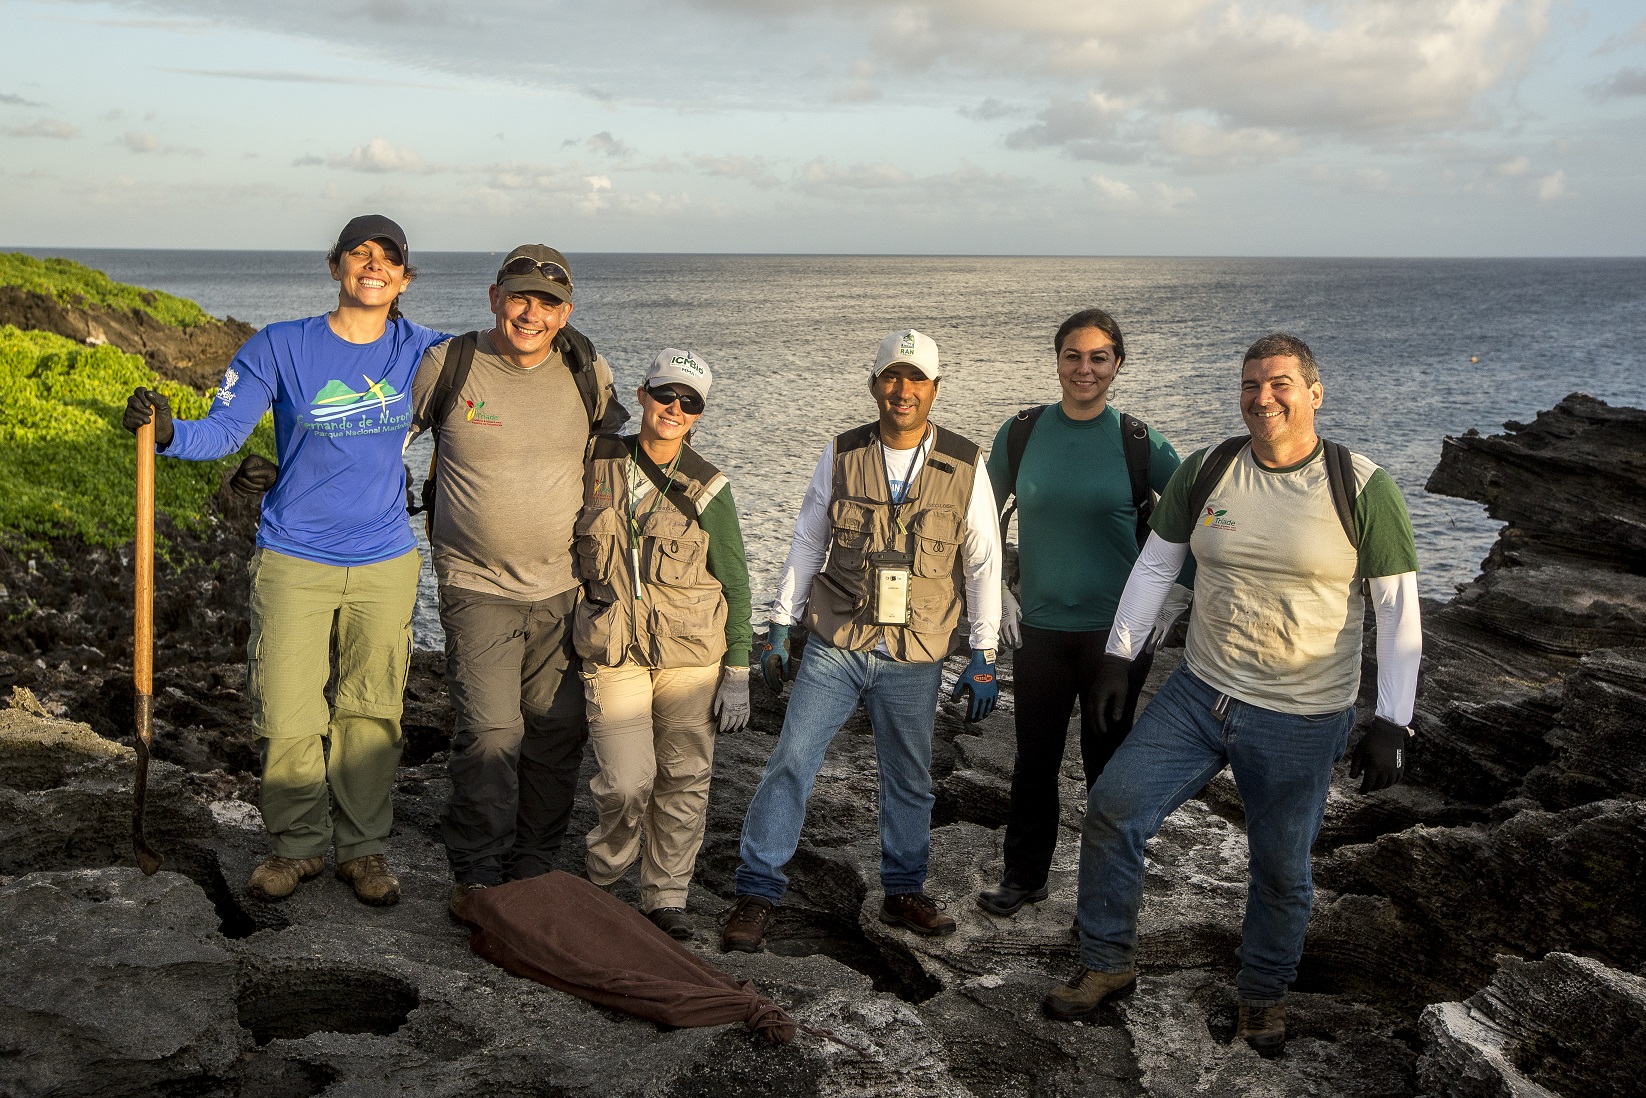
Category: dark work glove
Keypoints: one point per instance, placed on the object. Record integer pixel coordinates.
(771, 656)
(146, 404)
(977, 682)
(1380, 755)
(255, 476)
(1114, 683)
(411, 499)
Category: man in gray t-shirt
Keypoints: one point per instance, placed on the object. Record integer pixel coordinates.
(508, 484)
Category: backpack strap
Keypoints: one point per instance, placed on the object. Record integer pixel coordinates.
(1134, 439)
(1212, 467)
(1340, 474)
(579, 353)
(1017, 441)
(453, 373)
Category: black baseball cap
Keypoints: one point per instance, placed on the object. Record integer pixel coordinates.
(373, 227)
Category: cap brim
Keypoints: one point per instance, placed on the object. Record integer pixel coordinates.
(529, 284)
(924, 372)
(382, 238)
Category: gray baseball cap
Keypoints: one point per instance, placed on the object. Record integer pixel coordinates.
(536, 268)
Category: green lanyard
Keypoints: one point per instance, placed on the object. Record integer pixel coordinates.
(635, 475)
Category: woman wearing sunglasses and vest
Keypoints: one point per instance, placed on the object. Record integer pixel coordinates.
(334, 577)
(664, 634)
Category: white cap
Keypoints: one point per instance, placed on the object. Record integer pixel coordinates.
(686, 367)
(911, 347)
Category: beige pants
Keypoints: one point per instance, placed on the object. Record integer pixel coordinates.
(654, 740)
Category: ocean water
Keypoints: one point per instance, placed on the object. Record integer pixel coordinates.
(1410, 350)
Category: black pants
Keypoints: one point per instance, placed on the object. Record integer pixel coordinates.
(1051, 671)
(518, 744)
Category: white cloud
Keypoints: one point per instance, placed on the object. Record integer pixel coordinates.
(148, 143)
(17, 101)
(45, 127)
(1552, 186)
(860, 87)
(824, 175)
(1513, 167)
(1156, 198)
(380, 156)
(1624, 82)
(754, 170)
(605, 144)
(1201, 147)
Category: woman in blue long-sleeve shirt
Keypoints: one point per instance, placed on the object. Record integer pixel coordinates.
(335, 571)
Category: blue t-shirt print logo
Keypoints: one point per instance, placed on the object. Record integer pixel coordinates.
(333, 406)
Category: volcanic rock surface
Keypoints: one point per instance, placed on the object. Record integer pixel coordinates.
(195, 356)
(1476, 932)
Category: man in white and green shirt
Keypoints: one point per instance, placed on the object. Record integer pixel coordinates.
(1267, 686)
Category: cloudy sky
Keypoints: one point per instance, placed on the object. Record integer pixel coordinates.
(1258, 127)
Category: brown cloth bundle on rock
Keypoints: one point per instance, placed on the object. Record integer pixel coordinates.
(562, 931)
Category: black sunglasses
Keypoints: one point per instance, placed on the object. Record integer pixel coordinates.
(690, 402)
(525, 264)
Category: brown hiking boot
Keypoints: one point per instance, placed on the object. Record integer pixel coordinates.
(372, 881)
(745, 928)
(460, 892)
(672, 921)
(1263, 1027)
(278, 877)
(1081, 996)
(917, 911)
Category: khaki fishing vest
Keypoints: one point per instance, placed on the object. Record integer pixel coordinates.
(839, 609)
(679, 618)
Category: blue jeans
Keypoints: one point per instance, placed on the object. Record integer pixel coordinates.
(1282, 765)
(902, 702)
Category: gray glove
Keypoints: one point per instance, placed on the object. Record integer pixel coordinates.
(731, 701)
(1011, 619)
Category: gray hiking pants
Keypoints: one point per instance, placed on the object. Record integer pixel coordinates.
(520, 730)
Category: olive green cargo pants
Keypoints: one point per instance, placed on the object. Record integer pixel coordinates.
(328, 770)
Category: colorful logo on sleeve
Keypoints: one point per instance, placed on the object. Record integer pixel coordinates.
(1215, 518)
(340, 409)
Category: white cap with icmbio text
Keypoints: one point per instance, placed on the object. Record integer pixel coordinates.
(911, 347)
(686, 367)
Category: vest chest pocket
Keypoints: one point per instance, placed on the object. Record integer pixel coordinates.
(598, 534)
(677, 550)
(851, 536)
(937, 535)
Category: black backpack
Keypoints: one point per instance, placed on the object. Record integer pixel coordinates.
(1340, 474)
(1134, 439)
(578, 353)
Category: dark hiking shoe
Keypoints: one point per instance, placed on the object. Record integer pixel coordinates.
(672, 921)
(460, 892)
(1005, 898)
(1085, 991)
(279, 877)
(918, 912)
(372, 881)
(1264, 1028)
(745, 928)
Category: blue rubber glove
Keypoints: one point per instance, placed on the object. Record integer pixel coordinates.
(771, 656)
(978, 681)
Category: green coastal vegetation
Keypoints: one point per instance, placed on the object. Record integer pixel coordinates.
(76, 284)
(67, 467)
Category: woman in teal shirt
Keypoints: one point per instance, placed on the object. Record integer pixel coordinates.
(1077, 538)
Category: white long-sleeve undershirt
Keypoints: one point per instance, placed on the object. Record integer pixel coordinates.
(980, 548)
(1394, 603)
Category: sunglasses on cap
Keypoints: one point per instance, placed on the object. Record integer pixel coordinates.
(690, 402)
(525, 265)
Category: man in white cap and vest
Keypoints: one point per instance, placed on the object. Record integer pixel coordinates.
(896, 533)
